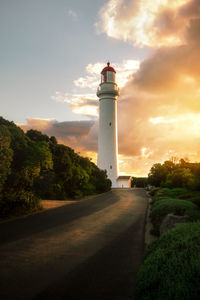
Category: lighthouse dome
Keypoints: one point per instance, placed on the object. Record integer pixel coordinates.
(108, 68)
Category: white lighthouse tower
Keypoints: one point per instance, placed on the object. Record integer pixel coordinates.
(108, 92)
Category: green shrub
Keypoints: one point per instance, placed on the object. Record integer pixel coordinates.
(157, 200)
(154, 191)
(186, 196)
(194, 214)
(171, 205)
(171, 268)
(179, 193)
(19, 201)
(166, 193)
(176, 192)
(193, 197)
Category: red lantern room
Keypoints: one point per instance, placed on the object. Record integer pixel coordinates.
(108, 74)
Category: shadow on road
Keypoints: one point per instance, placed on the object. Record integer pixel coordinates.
(32, 224)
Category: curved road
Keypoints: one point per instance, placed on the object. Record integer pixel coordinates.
(90, 249)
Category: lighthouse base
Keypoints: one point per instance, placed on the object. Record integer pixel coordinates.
(114, 184)
(122, 182)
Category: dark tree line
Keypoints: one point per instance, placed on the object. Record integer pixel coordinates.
(170, 174)
(33, 166)
(140, 182)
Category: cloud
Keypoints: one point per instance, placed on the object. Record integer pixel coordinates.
(72, 14)
(161, 120)
(124, 70)
(76, 134)
(151, 23)
(159, 108)
(85, 103)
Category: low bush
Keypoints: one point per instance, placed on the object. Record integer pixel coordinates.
(193, 197)
(194, 214)
(154, 191)
(166, 193)
(176, 192)
(171, 268)
(156, 200)
(163, 207)
(16, 202)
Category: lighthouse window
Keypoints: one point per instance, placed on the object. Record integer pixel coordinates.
(110, 124)
(104, 77)
(110, 167)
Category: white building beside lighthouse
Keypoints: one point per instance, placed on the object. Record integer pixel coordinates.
(108, 92)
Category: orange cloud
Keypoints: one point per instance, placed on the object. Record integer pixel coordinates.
(162, 101)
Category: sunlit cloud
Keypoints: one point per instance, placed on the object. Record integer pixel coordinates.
(87, 82)
(151, 23)
(86, 104)
(160, 120)
(83, 104)
(124, 70)
(37, 123)
(137, 166)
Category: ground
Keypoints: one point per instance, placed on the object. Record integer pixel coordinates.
(90, 249)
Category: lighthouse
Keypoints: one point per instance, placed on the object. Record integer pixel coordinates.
(108, 92)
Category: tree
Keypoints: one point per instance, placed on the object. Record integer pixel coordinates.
(38, 159)
(100, 180)
(6, 155)
(19, 144)
(37, 136)
(179, 178)
(140, 182)
(157, 175)
(169, 166)
(79, 182)
(62, 163)
(33, 165)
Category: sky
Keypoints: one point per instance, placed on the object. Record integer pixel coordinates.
(51, 56)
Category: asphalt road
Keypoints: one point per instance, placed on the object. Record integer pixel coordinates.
(90, 249)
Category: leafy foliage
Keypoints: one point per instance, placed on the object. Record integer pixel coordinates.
(180, 177)
(183, 175)
(172, 262)
(171, 268)
(34, 166)
(164, 206)
(175, 192)
(139, 182)
(178, 201)
(6, 155)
